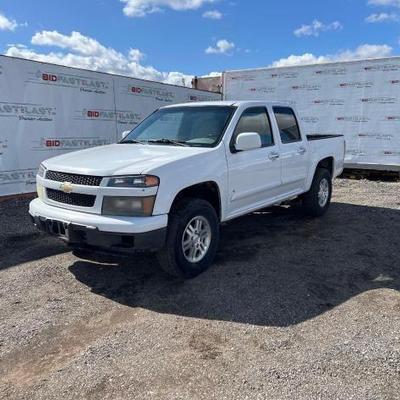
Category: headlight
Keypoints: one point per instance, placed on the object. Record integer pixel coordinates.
(127, 206)
(42, 171)
(140, 181)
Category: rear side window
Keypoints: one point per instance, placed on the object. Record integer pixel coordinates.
(255, 120)
(287, 124)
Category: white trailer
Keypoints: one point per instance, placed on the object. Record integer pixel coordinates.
(47, 110)
(359, 99)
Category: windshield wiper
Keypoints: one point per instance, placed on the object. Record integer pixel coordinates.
(128, 141)
(168, 141)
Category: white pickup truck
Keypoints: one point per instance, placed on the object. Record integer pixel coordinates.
(170, 182)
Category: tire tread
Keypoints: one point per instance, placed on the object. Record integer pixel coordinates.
(167, 257)
(310, 199)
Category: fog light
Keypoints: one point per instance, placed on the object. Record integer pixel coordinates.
(128, 206)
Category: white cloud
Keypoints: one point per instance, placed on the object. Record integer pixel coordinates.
(382, 17)
(77, 50)
(136, 55)
(316, 27)
(304, 59)
(140, 8)
(223, 46)
(77, 42)
(213, 74)
(365, 51)
(212, 14)
(388, 3)
(361, 52)
(7, 24)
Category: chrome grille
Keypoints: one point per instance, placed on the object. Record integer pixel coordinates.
(87, 180)
(73, 199)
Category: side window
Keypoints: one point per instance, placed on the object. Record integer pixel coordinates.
(287, 124)
(255, 120)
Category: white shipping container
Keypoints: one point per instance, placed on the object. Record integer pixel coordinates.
(359, 99)
(47, 110)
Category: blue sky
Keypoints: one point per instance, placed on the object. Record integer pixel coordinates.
(152, 38)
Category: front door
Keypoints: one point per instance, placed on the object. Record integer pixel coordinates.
(254, 175)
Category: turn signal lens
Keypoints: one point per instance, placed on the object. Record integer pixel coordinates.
(42, 171)
(151, 180)
(40, 190)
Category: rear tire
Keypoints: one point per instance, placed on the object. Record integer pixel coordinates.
(192, 239)
(316, 201)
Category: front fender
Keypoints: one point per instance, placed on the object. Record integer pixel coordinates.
(182, 174)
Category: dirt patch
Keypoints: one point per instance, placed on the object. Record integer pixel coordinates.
(292, 308)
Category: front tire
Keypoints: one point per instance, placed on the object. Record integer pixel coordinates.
(317, 200)
(192, 239)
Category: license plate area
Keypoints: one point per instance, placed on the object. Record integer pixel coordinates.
(57, 228)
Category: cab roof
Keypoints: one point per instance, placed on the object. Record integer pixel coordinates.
(229, 103)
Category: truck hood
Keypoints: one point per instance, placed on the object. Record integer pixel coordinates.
(120, 159)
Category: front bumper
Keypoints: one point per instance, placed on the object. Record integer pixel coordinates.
(119, 234)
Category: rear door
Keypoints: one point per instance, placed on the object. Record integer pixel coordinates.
(254, 175)
(294, 149)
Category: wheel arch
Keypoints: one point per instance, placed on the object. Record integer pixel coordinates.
(327, 163)
(208, 190)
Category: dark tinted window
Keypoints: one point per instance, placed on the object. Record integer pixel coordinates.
(256, 120)
(287, 124)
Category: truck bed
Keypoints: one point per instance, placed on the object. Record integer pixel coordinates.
(328, 146)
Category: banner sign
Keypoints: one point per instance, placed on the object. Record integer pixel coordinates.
(47, 110)
(360, 100)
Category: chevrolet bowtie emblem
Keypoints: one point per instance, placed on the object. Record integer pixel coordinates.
(66, 187)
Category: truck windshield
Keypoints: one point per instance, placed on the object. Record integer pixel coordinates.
(183, 126)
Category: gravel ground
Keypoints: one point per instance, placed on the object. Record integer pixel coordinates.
(293, 308)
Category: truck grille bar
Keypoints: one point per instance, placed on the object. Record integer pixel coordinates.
(86, 180)
(73, 199)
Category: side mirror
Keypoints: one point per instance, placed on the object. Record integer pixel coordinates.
(248, 141)
(125, 134)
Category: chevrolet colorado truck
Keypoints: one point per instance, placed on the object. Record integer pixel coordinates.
(171, 181)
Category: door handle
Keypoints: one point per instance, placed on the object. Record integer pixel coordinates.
(302, 150)
(273, 155)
